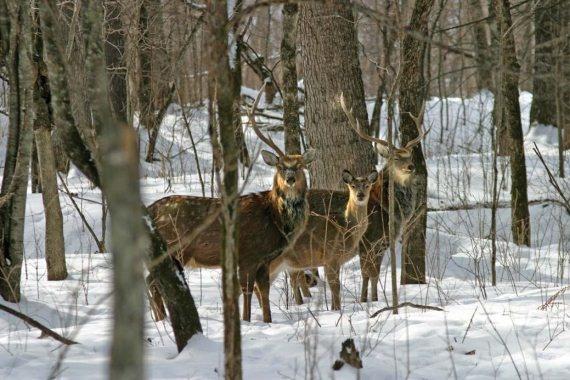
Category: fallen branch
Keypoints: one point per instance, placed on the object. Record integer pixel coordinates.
(477, 205)
(32, 322)
(409, 304)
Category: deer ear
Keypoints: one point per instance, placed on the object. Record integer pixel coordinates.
(382, 150)
(309, 156)
(269, 158)
(373, 176)
(347, 177)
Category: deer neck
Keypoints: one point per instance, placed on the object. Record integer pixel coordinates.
(356, 215)
(290, 205)
(402, 192)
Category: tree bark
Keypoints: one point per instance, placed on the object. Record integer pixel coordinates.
(224, 60)
(509, 73)
(291, 123)
(543, 106)
(412, 97)
(331, 67)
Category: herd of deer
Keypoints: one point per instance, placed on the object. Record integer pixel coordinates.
(293, 228)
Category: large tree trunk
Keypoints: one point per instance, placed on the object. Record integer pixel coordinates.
(412, 97)
(224, 60)
(543, 106)
(291, 122)
(509, 102)
(331, 66)
(54, 241)
(168, 277)
(13, 211)
(120, 178)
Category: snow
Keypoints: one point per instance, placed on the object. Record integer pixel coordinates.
(483, 332)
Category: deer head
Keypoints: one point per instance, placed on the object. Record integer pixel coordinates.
(401, 166)
(290, 168)
(359, 187)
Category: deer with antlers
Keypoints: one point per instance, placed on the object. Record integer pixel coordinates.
(267, 221)
(376, 239)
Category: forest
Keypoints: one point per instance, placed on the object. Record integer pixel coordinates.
(284, 189)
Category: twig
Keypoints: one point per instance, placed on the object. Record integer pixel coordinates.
(409, 304)
(469, 325)
(551, 178)
(100, 245)
(32, 322)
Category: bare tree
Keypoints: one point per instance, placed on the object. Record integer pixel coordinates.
(331, 67)
(164, 274)
(412, 97)
(510, 107)
(223, 56)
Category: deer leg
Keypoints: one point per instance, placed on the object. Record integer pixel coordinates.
(247, 290)
(156, 302)
(376, 275)
(364, 289)
(333, 272)
(262, 291)
(315, 280)
(296, 281)
(306, 281)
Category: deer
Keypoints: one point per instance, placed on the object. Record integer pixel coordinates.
(376, 239)
(268, 222)
(329, 240)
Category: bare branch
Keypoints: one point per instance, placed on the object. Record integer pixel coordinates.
(32, 322)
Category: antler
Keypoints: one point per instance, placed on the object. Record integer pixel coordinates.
(253, 124)
(354, 124)
(419, 121)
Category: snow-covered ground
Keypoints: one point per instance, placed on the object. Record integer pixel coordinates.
(483, 332)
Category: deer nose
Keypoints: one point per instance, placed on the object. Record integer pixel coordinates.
(411, 167)
(360, 196)
(291, 180)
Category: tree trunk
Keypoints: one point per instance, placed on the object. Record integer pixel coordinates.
(224, 60)
(54, 241)
(501, 132)
(13, 212)
(35, 170)
(120, 180)
(153, 91)
(331, 66)
(484, 74)
(412, 97)
(509, 72)
(291, 122)
(543, 106)
(236, 89)
(164, 272)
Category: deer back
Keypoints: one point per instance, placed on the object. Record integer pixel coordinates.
(195, 225)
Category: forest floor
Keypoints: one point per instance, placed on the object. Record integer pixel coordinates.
(483, 332)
